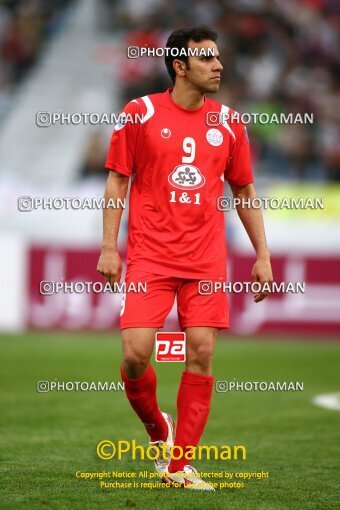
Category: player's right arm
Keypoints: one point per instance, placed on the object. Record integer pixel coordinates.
(109, 263)
(120, 163)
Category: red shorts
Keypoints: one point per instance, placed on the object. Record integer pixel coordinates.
(149, 309)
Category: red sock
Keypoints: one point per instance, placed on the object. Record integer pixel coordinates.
(193, 406)
(141, 393)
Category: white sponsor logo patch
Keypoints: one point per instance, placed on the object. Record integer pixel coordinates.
(214, 137)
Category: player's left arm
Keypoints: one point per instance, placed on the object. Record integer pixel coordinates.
(252, 220)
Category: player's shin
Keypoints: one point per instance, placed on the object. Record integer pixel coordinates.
(141, 393)
(193, 406)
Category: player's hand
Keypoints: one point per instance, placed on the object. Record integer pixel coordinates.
(262, 273)
(110, 266)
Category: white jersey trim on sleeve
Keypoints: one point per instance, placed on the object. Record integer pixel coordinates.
(150, 110)
(224, 117)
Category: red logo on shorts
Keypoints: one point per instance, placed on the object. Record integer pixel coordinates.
(170, 346)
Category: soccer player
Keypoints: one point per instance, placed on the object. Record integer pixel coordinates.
(177, 163)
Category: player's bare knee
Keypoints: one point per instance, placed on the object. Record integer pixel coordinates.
(200, 351)
(135, 365)
(135, 359)
(200, 359)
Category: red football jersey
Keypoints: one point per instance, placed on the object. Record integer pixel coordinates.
(178, 164)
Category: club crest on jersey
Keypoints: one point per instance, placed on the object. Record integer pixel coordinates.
(186, 177)
(165, 133)
(214, 137)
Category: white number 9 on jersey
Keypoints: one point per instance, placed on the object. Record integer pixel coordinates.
(189, 147)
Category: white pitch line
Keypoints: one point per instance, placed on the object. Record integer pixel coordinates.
(328, 400)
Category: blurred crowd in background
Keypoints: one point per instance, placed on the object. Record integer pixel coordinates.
(25, 26)
(278, 56)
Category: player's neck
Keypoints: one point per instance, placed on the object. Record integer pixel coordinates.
(187, 98)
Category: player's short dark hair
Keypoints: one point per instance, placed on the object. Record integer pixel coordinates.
(180, 38)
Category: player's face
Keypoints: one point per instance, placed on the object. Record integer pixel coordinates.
(205, 71)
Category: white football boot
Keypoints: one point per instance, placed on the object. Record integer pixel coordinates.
(161, 464)
(187, 479)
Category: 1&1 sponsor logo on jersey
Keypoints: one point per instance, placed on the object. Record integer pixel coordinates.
(170, 346)
(186, 177)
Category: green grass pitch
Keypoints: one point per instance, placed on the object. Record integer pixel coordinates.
(46, 437)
